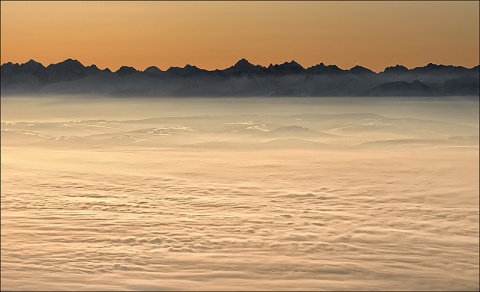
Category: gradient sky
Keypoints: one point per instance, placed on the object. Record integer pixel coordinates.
(214, 35)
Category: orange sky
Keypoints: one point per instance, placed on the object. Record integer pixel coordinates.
(214, 35)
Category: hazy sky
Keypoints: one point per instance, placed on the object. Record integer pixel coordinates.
(216, 34)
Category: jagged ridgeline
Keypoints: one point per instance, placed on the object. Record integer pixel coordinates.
(242, 79)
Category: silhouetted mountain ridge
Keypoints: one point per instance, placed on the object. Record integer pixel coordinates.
(241, 79)
(325, 69)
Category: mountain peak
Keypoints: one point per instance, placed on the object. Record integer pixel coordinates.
(188, 70)
(153, 70)
(325, 69)
(396, 69)
(243, 63)
(70, 62)
(360, 70)
(32, 64)
(440, 69)
(431, 66)
(31, 61)
(31, 67)
(291, 67)
(125, 71)
(243, 66)
(293, 63)
(188, 66)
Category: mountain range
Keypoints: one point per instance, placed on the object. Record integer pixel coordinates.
(241, 79)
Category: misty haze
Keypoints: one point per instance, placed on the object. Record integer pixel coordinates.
(239, 193)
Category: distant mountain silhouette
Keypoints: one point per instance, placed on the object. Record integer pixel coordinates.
(153, 71)
(398, 69)
(440, 69)
(126, 71)
(464, 85)
(286, 68)
(67, 70)
(403, 88)
(358, 70)
(323, 69)
(244, 67)
(187, 71)
(241, 79)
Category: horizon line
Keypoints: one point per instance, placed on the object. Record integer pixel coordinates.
(241, 59)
